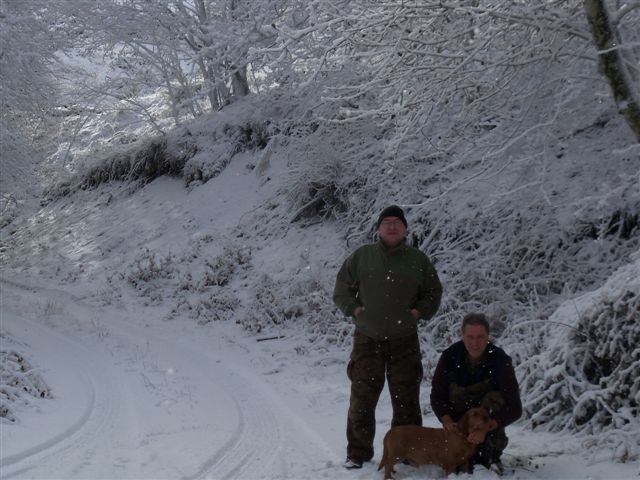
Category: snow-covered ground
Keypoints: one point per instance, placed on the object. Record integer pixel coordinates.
(137, 393)
(138, 397)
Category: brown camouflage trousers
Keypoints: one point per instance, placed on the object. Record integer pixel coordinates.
(400, 362)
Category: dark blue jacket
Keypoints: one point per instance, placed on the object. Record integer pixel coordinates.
(495, 369)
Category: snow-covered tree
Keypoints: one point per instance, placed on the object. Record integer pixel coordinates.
(27, 55)
(29, 40)
(198, 53)
(616, 36)
(483, 75)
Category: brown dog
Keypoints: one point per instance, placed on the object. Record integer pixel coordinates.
(423, 445)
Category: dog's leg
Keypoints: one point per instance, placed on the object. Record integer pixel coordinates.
(389, 463)
(384, 461)
(388, 471)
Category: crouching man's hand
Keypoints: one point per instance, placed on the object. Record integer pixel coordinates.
(479, 435)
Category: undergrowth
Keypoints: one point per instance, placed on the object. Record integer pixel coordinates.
(187, 152)
(20, 383)
(586, 381)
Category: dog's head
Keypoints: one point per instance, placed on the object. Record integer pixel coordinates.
(474, 419)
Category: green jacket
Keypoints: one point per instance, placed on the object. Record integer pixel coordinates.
(387, 283)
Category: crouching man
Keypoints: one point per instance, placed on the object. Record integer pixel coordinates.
(475, 373)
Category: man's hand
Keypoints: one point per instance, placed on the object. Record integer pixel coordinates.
(479, 435)
(415, 313)
(357, 311)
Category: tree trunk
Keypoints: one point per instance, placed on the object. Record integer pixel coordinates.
(612, 63)
(240, 83)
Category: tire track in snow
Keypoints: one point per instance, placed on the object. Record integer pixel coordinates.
(99, 410)
(267, 434)
(65, 434)
(255, 442)
(70, 448)
(263, 440)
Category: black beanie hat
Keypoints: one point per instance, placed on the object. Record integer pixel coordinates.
(392, 211)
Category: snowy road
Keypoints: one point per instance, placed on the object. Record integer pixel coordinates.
(139, 402)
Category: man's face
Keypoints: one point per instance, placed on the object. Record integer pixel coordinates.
(475, 339)
(392, 231)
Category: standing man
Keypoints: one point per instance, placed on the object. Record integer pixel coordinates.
(475, 373)
(386, 287)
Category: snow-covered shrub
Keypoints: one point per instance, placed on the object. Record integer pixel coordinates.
(245, 133)
(315, 189)
(221, 269)
(111, 292)
(19, 383)
(208, 163)
(328, 170)
(586, 380)
(216, 305)
(142, 162)
(250, 135)
(267, 308)
(148, 267)
(304, 302)
(194, 284)
(191, 152)
(8, 208)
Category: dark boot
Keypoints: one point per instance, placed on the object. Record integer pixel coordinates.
(490, 451)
